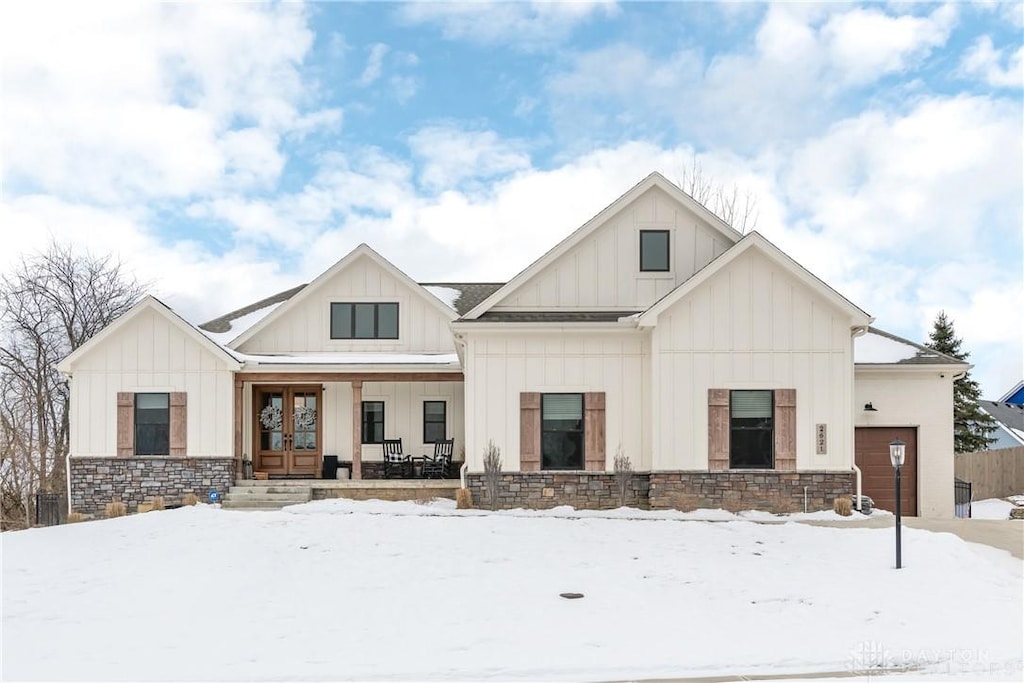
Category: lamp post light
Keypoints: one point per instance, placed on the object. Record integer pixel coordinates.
(897, 454)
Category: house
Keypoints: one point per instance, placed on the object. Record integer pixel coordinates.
(726, 372)
(1009, 417)
(1014, 395)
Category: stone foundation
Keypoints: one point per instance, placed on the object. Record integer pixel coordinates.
(737, 490)
(539, 490)
(733, 490)
(97, 481)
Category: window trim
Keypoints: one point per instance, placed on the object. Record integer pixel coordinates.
(443, 422)
(771, 432)
(582, 431)
(376, 320)
(668, 251)
(362, 422)
(136, 422)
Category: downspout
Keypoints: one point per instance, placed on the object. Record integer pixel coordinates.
(462, 473)
(857, 332)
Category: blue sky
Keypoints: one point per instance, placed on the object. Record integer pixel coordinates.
(227, 151)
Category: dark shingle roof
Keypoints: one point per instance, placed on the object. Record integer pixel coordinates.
(1010, 414)
(223, 323)
(472, 293)
(551, 316)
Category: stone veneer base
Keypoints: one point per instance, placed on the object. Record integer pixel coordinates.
(133, 480)
(733, 490)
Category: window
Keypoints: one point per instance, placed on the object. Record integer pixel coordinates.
(433, 421)
(373, 421)
(561, 431)
(364, 321)
(654, 251)
(152, 424)
(751, 429)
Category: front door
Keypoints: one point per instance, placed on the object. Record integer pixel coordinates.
(288, 430)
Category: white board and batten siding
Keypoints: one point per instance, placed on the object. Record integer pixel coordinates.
(603, 271)
(501, 365)
(151, 354)
(752, 325)
(306, 327)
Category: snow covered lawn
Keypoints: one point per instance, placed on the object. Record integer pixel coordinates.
(991, 508)
(338, 590)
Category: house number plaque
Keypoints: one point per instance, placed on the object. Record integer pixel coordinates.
(821, 439)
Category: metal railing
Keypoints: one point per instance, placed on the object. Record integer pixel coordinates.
(962, 497)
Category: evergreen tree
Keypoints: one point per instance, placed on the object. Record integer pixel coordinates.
(971, 426)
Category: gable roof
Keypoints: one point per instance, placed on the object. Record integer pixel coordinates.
(148, 303)
(470, 293)
(363, 250)
(879, 347)
(1014, 395)
(1008, 414)
(653, 180)
(756, 241)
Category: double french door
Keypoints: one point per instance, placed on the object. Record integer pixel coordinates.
(287, 429)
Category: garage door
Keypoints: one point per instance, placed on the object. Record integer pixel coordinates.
(878, 478)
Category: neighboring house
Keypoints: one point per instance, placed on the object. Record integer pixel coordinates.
(1009, 419)
(1014, 395)
(728, 373)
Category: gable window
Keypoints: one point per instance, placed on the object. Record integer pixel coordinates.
(152, 424)
(373, 422)
(654, 255)
(561, 431)
(751, 429)
(364, 320)
(434, 421)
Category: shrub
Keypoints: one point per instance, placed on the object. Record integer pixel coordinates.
(116, 508)
(623, 474)
(190, 499)
(157, 502)
(492, 473)
(74, 517)
(843, 506)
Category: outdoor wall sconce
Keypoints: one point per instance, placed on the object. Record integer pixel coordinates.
(870, 408)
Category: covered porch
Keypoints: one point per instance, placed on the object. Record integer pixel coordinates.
(287, 423)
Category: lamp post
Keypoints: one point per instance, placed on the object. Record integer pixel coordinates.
(897, 454)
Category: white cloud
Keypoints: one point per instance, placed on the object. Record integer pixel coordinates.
(866, 43)
(526, 25)
(449, 155)
(145, 100)
(985, 62)
(374, 64)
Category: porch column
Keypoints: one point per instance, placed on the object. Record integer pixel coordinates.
(357, 429)
(238, 429)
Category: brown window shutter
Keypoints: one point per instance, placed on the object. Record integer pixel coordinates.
(125, 424)
(594, 431)
(785, 429)
(179, 423)
(718, 429)
(529, 431)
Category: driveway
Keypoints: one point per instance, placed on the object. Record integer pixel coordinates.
(1007, 535)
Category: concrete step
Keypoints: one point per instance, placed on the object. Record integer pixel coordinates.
(266, 497)
(268, 490)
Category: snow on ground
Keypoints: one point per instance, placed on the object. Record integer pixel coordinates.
(991, 508)
(340, 590)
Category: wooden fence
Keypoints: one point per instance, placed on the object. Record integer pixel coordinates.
(993, 474)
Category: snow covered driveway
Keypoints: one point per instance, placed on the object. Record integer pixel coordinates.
(339, 590)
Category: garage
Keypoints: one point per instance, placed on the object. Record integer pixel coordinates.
(871, 449)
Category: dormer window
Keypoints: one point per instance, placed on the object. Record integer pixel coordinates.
(654, 256)
(364, 321)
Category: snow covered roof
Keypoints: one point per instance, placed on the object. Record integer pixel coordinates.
(349, 358)
(878, 347)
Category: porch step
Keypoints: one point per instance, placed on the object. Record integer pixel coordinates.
(266, 497)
